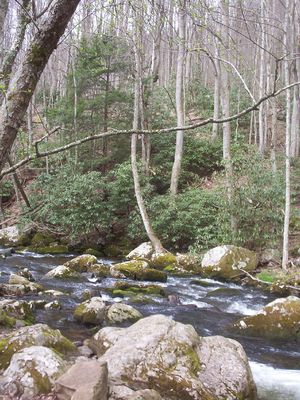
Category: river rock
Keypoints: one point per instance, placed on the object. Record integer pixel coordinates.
(187, 262)
(35, 335)
(144, 250)
(225, 369)
(91, 311)
(85, 380)
(169, 357)
(226, 262)
(20, 309)
(15, 279)
(55, 293)
(124, 393)
(99, 270)
(31, 372)
(118, 313)
(137, 270)
(9, 236)
(20, 290)
(62, 272)
(279, 319)
(81, 263)
(124, 289)
(270, 256)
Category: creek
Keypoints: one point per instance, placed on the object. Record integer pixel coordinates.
(210, 307)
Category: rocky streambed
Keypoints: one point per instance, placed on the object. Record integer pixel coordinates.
(210, 306)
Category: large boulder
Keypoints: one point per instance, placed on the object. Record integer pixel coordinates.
(169, 357)
(35, 335)
(227, 262)
(144, 250)
(137, 270)
(91, 311)
(118, 313)
(81, 263)
(9, 236)
(62, 272)
(279, 319)
(85, 380)
(31, 372)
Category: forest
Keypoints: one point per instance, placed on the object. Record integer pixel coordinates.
(149, 199)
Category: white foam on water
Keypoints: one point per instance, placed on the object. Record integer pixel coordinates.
(276, 384)
(197, 303)
(237, 307)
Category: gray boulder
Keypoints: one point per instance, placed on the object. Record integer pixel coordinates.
(169, 357)
(227, 262)
(31, 372)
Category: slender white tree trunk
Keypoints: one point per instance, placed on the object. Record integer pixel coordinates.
(285, 250)
(179, 97)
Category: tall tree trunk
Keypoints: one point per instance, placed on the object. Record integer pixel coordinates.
(138, 117)
(23, 84)
(225, 103)
(285, 250)
(179, 97)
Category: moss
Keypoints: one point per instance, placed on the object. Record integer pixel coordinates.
(41, 382)
(93, 252)
(6, 321)
(81, 263)
(82, 314)
(124, 289)
(42, 239)
(161, 261)
(134, 271)
(53, 249)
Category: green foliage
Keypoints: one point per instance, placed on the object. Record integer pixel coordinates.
(266, 276)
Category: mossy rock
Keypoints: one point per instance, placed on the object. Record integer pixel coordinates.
(41, 239)
(21, 310)
(162, 260)
(6, 321)
(40, 335)
(81, 263)
(52, 249)
(137, 270)
(100, 270)
(123, 289)
(93, 252)
(62, 272)
(228, 262)
(35, 368)
(119, 313)
(279, 319)
(91, 311)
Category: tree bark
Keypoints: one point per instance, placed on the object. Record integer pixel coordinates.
(285, 249)
(22, 85)
(158, 248)
(179, 97)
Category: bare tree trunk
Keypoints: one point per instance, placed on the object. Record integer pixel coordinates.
(262, 74)
(225, 102)
(217, 92)
(285, 250)
(136, 125)
(179, 97)
(3, 12)
(23, 84)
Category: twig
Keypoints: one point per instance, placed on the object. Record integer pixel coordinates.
(267, 283)
(207, 121)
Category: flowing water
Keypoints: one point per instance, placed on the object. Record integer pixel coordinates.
(210, 307)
